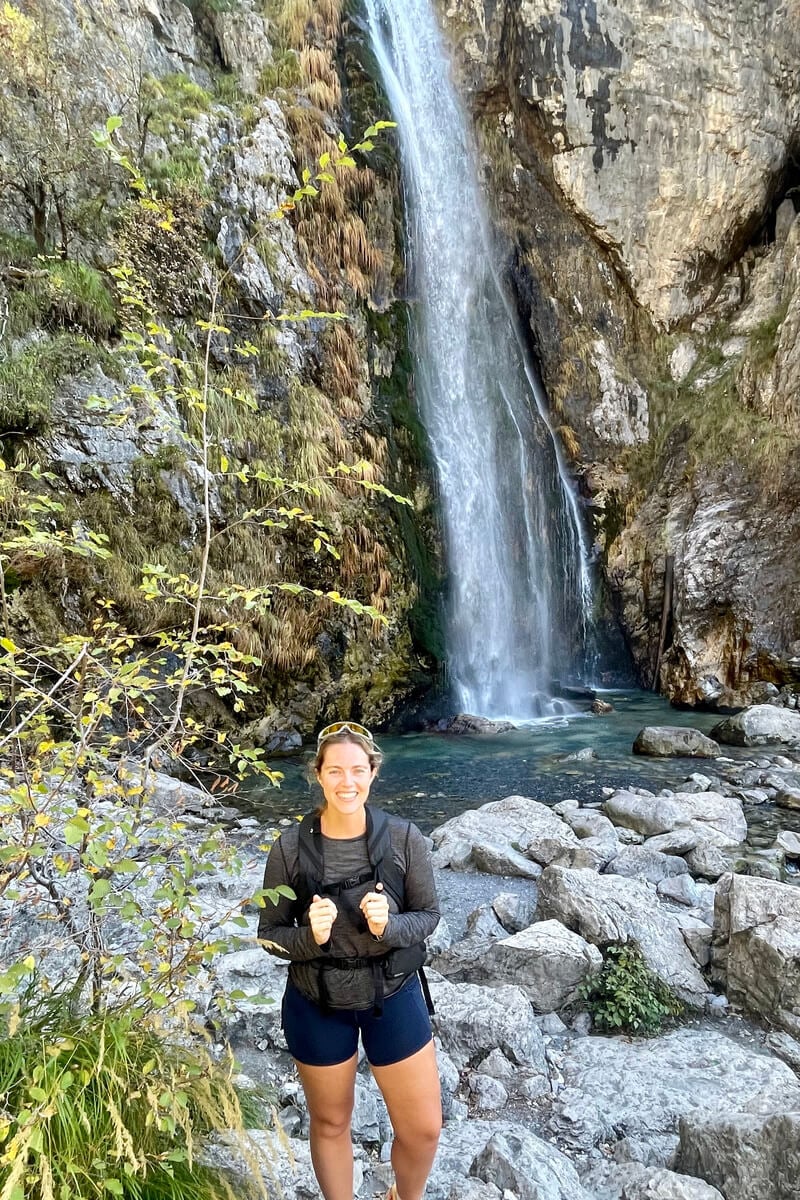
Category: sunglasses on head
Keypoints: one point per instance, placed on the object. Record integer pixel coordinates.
(343, 727)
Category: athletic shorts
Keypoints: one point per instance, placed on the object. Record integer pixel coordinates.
(323, 1039)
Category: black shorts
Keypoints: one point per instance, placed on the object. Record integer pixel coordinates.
(323, 1039)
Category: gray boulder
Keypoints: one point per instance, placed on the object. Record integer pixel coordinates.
(748, 1157)
(471, 1021)
(712, 816)
(519, 1162)
(667, 741)
(761, 725)
(478, 1158)
(635, 1181)
(492, 837)
(610, 908)
(547, 961)
(757, 947)
(639, 862)
(646, 1087)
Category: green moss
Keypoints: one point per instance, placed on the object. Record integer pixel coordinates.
(28, 380)
(408, 443)
(704, 416)
(55, 293)
(173, 103)
(283, 73)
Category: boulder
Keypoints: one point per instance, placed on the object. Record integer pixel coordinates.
(761, 725)
(667, 741)
(609, 908)
(521, 1163)
(707, 813)
(546, 961)
(635, 1181)
(748, 1157)
(468, 723)
(491, 838)
(639, 862)
(471, 1021)
(757, 947)
(645, 1087)
(478, 1160)
(514, 912)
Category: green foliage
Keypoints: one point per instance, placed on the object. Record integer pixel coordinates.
(110, 1105)
(706, 417)
(626, 997)
(283, 73)
(85, 716)
(170, 107)
(28, 380)
(56, 293)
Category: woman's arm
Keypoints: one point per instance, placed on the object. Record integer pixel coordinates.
(421, 915)
(277, 930)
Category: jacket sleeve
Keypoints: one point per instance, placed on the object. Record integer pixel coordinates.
(277, 930)
(421, 915)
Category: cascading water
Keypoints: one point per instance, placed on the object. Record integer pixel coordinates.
(519, 593)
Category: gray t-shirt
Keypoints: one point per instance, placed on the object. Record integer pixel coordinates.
(344, 858)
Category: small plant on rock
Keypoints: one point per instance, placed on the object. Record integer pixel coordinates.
(626, 997)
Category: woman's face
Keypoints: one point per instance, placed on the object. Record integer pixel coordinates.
(345, 777)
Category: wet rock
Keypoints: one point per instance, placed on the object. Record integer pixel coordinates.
(749, 1157)
(468, 723)
(789, 843)
(665, 741)
(762, 725)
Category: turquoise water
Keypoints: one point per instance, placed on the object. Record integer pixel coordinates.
(430, 777)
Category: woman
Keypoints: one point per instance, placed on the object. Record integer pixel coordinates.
(346, 865)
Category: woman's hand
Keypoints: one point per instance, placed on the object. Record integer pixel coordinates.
(321, 914)
(375, 908)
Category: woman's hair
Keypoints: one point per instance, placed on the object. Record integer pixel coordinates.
(336, 739)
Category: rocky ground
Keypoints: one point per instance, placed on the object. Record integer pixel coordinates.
(537, 1104)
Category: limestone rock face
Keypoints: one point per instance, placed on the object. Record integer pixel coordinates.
(668, 126)
(636, 154)
(757, 947)
(747, 1157)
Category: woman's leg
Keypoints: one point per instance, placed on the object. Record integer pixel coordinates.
(412, 1094)
(329, 1095)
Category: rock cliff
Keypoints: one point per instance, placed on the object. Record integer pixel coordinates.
(643, 166)
(223, 107)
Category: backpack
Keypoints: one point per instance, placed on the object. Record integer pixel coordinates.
(383, 869)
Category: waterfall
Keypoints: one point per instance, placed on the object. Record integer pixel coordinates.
(519, 594)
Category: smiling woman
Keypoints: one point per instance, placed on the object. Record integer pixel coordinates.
(365, 902)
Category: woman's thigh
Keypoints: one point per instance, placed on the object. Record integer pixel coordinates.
(314, 1037)
(329, 1093)
(412, 1094)
(403, 1028)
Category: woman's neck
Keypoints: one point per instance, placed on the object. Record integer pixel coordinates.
(337, 825)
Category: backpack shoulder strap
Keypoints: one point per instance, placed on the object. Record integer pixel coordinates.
(310, 863)
(379, 848)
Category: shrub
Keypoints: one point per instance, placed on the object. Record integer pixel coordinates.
(626, 997)
(108, 1106)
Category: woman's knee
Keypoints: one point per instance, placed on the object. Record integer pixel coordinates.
(422, 1129)
(331, 1123)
